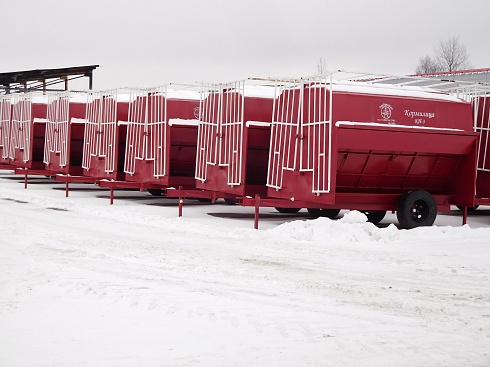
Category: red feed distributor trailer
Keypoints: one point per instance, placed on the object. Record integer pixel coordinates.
(234, 135)
(380, 147)
(5, 122)
(162, 137)
(65, 129)
(27, 132)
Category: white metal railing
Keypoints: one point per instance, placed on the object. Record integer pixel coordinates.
(231, 130)
(207, 135)
(100, 129)
(146, 134)
(301, 132)
(220, 133)
(482, 126)
(5, 122)
(21, 126)
(285, 127)
(57, 120)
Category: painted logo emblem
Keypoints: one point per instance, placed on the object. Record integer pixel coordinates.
(386, 111)
(197, 113)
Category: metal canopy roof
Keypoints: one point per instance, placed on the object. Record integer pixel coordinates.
(38, 78)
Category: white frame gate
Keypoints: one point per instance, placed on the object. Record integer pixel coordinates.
(220, 133)
(5, 122)
(301, 132)
(100, 129)
(147, 130)
(57, 120)
(20, 132)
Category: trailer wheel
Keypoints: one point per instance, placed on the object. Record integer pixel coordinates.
(415, 209)
(288, 210)
(318, 212)
(375, 216)
(469, 209)
(230, 201)
(155, 192)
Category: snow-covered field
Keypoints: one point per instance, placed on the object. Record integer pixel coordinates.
(83, 283)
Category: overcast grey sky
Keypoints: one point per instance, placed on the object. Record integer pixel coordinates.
(146, 43)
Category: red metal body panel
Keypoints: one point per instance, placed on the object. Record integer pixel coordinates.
(64, 134)
(161, 140)
(104, 138)
(28, 132)
(438, 161)
(401, 110)
(235, 139)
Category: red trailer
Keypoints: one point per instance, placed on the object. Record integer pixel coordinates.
(234, 135)
(65, 129)
(27, 132)
(5, 122)
(369, 146)
(162, 137)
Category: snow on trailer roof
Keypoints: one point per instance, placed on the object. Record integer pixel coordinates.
(436, 85)
(392, 90)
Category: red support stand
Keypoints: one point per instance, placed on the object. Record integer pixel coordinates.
(112, 194)
(66, 189)
(257, 207)
(181, 202)
(25, 181)
(465, 215)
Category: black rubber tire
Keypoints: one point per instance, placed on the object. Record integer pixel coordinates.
(375, 216)
(416, 208)
(328, 213)
(288, 210)
(469, 209)
(155, 192)
(231, 201)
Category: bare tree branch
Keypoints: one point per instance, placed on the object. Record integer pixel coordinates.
(451, 55)
(321, 67)
(427, 66)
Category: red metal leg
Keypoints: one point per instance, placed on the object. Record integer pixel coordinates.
(181, 202)
(256, 216)
(25, 181)
(66, 189)
(465, 215)
(112, 195)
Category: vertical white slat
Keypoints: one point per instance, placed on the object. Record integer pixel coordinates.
(93, 128)
(49, 140)
(5, 123)
(63, 128)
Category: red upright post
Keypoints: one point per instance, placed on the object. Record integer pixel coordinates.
(181, 201)
(256, 216)
(465, 215)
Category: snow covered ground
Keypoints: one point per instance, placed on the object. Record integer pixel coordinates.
(83, 283)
